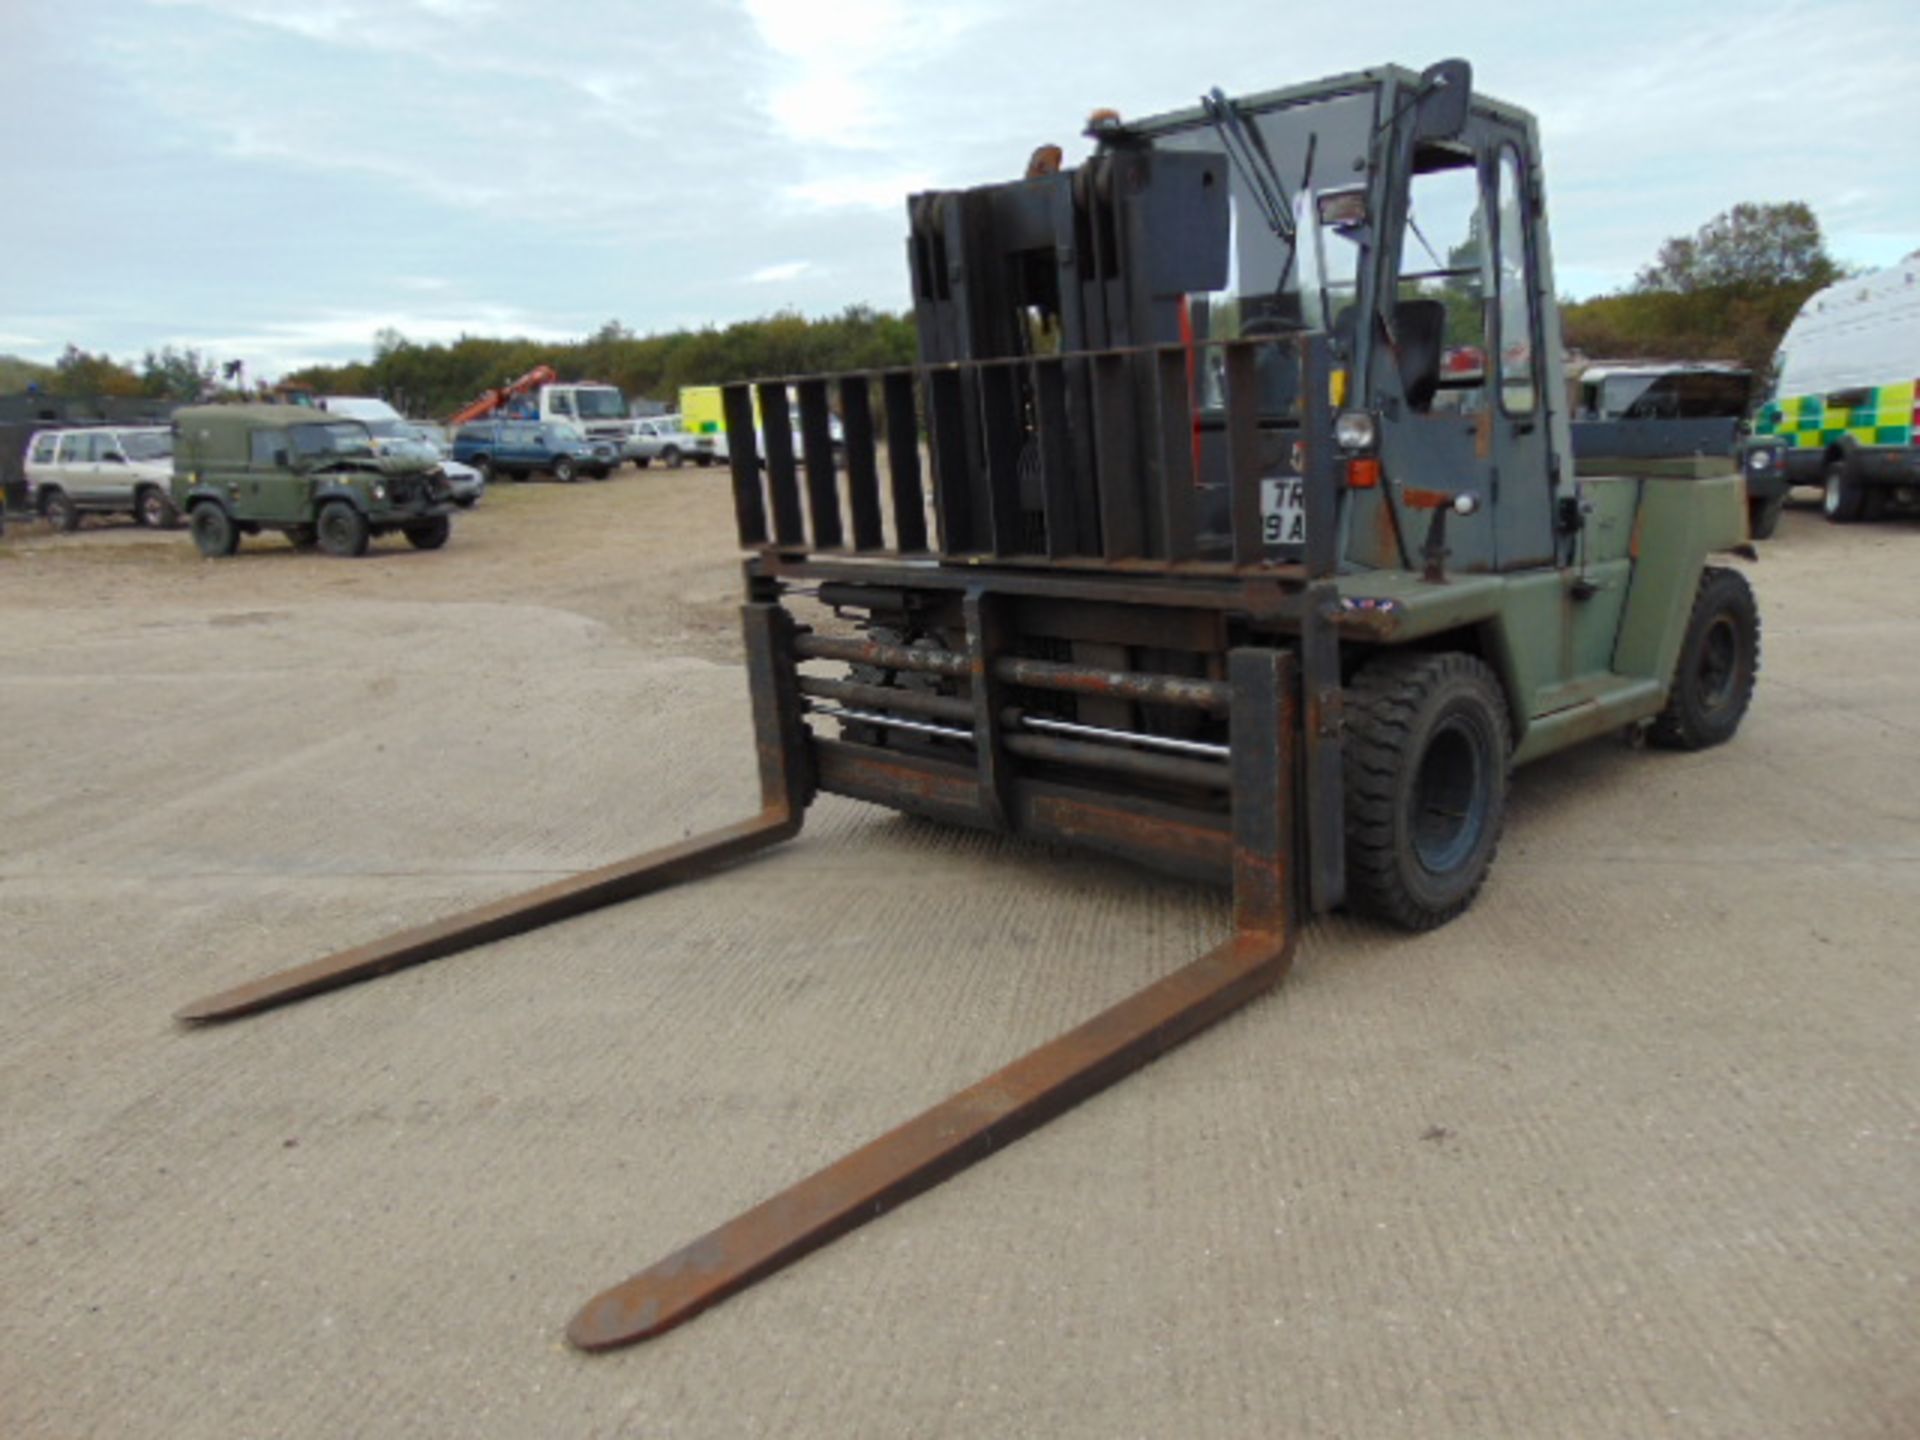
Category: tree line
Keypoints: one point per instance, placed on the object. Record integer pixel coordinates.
(434, 379)
(1728, 291)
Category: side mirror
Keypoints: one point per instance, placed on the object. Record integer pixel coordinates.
(1446, 89)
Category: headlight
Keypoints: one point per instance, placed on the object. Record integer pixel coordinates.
(1356, 430)
(379, 490)
(1758, 460)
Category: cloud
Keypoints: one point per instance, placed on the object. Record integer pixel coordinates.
(838, 57)
(853, 192)
(786, 270)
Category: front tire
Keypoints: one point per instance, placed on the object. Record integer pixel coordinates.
(60, 511)
(672, 458)
(565, 471)
(428, 534)
(1719, 662)
(343, 530)
(1763, 517)
(214, 532)
(1428, 747)
(1844, 498)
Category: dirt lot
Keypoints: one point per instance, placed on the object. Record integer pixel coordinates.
(1631, 1149)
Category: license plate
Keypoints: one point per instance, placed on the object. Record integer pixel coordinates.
(1283, 510)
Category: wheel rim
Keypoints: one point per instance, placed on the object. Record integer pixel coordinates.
(336, 530)
(1718, 669)
(1830, 498)
(151, 511)
(1450, 796)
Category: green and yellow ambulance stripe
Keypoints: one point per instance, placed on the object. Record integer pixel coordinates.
(1889, 415)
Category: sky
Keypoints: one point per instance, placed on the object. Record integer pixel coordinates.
(279, 180)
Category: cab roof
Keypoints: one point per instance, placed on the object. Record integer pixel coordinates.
(256, 414)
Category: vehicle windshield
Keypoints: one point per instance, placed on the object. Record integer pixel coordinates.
(1294, 253)
(340, 439)
(147, 445)
(1679, 395)
(601, 404)
(1313, 146)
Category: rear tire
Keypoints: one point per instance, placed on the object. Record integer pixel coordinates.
(1428, 747)
(1719, 661)
(672, 458)
(428, 534)
(214, 532)
(153, 507)
(343, 530)
(1845, 497)
(61, 513)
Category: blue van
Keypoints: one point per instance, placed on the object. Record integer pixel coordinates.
(518, 448)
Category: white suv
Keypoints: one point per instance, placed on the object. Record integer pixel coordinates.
(106, 469)
(665, 438)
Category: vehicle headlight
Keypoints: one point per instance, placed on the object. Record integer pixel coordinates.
(379, 490)
(1356, 430)
(1758, 460)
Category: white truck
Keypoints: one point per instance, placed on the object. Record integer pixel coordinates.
(600, 410)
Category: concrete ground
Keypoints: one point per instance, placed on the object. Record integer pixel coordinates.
(1631, 1149)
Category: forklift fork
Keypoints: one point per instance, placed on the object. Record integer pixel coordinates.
(966, 1127)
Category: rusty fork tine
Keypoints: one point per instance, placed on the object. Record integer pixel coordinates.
(959, 1131)
(514, 915)
(1010, 1102)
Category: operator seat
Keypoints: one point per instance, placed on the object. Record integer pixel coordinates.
(1419, 334)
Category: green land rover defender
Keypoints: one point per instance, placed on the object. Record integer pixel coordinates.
(241, 469)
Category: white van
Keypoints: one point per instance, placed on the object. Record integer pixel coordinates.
(1845, 394)
(103, 470)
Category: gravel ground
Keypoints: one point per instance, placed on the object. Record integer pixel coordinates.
(1631, 1149)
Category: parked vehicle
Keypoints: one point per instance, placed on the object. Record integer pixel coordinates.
(519, 448)
(102, 470)
(700, 409)
(666, 439)
(358, 407)
(1843, 401)
(465, 484)
(598, 411)
(242, 469)
(1667, 417)
(393, 433)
